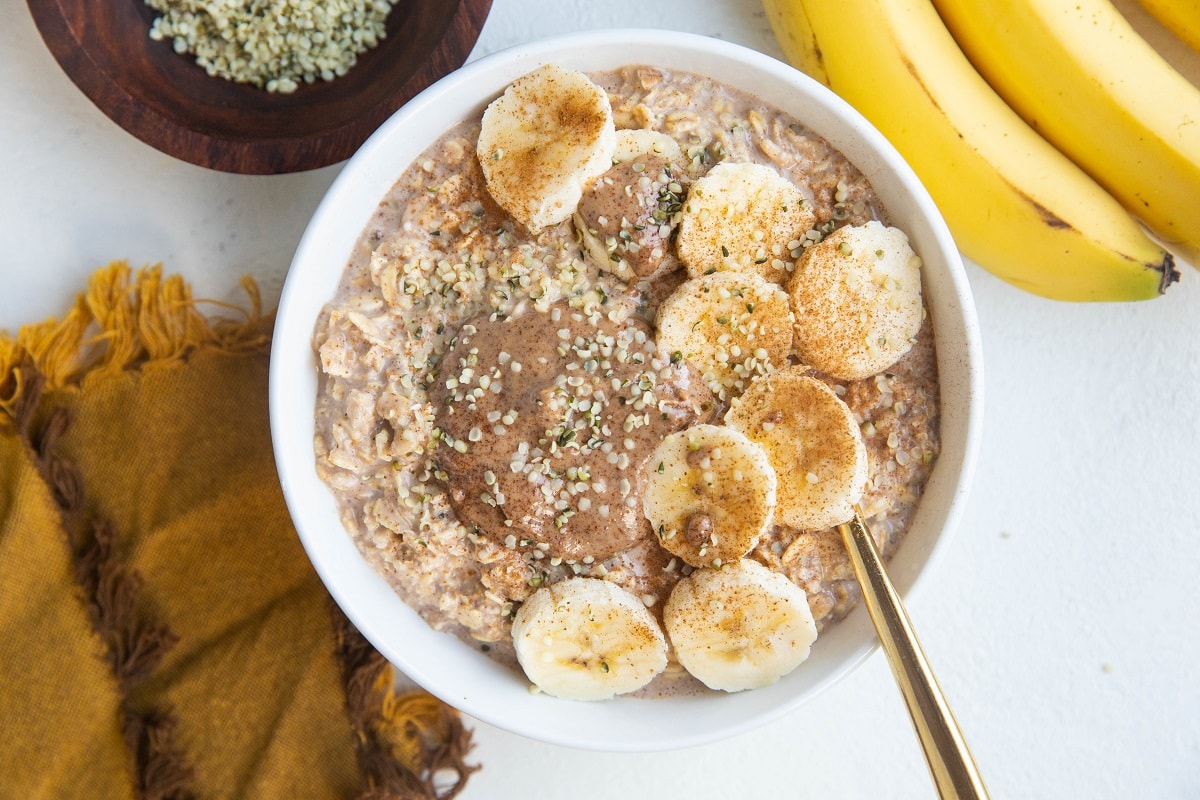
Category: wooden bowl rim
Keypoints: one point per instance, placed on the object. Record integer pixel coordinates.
(87, 59)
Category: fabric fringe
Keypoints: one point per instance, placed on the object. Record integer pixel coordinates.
(409, 746)
(134, 644)
(162, 772)
(127, 320)
(122, 321)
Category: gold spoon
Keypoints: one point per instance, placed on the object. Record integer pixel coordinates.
(953, 768)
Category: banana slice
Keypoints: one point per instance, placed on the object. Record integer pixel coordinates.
(709, 493)
(588, 639)
(739, 627)
(643, 143)
(542, 141)
(857, 299)
(626, 216)
(810, 436)
(742, 217)
(729, 325)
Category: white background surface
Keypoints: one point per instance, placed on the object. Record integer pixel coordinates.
(1063, 620)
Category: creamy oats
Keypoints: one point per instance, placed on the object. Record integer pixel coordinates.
(487, 397)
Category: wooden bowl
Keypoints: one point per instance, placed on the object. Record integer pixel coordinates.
(167, 101)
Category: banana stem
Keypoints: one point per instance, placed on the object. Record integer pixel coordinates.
(954, 770)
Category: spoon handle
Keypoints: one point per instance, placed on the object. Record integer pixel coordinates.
(954, 770)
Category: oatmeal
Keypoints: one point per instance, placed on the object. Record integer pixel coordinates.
(489, 397)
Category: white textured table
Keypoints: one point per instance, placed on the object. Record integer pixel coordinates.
(1063, 620)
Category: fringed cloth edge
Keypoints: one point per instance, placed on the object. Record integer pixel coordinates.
(134, 643)
(406, 744)
(126, 320)
(394, 729)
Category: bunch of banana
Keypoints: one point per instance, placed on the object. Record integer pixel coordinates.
(1045, 219)
(1078, 73)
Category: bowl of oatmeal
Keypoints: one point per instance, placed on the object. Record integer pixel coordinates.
(547, 355)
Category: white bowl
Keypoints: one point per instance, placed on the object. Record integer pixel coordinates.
(461, 675)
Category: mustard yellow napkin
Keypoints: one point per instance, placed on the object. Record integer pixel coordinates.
(162, 634)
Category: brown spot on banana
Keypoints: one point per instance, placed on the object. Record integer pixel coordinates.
(916, 73)
(1169, 273)
(1166, 268)
(1051, 219)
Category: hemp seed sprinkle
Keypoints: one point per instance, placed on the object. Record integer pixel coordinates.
(273, 44)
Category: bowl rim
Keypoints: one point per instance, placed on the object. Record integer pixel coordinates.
(617, 725)
(82, 52)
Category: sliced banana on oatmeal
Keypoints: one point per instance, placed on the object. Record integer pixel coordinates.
(730, 325)
(641, 143)
(709, 494)
(542, 141)
(857, 299)
(741, 216)
(626, 216)
(812, 438)
(739, 627)
(588, 639)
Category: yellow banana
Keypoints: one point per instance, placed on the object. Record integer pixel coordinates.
(1082, 77)
(1015, 205)
(1180, 17)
